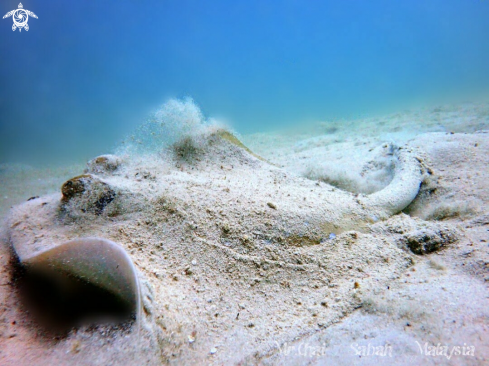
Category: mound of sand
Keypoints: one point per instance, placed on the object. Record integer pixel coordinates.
(232, 272)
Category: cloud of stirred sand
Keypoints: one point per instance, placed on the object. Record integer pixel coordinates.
(175, 120)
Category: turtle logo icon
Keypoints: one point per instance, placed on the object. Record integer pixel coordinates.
(20, 17)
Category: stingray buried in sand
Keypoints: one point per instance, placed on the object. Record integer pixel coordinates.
(209, 241)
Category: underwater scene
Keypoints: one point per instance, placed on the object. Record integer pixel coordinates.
(272, 182)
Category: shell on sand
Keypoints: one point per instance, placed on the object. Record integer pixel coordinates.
(222, 240)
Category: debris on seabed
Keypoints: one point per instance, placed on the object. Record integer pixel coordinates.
(271, 205)
(191, 337)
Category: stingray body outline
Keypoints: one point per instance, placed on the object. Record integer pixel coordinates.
(195, 181)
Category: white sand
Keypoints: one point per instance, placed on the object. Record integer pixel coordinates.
(443, 298)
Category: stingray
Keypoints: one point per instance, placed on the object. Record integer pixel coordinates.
(209, 218)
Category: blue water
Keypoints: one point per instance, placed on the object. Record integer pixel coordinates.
(88, 72)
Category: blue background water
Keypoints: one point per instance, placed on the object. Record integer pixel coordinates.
(87, 72)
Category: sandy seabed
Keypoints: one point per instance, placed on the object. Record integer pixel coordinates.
(429, 308)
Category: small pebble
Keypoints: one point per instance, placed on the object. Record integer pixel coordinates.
(194, 262)
(213, 350)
